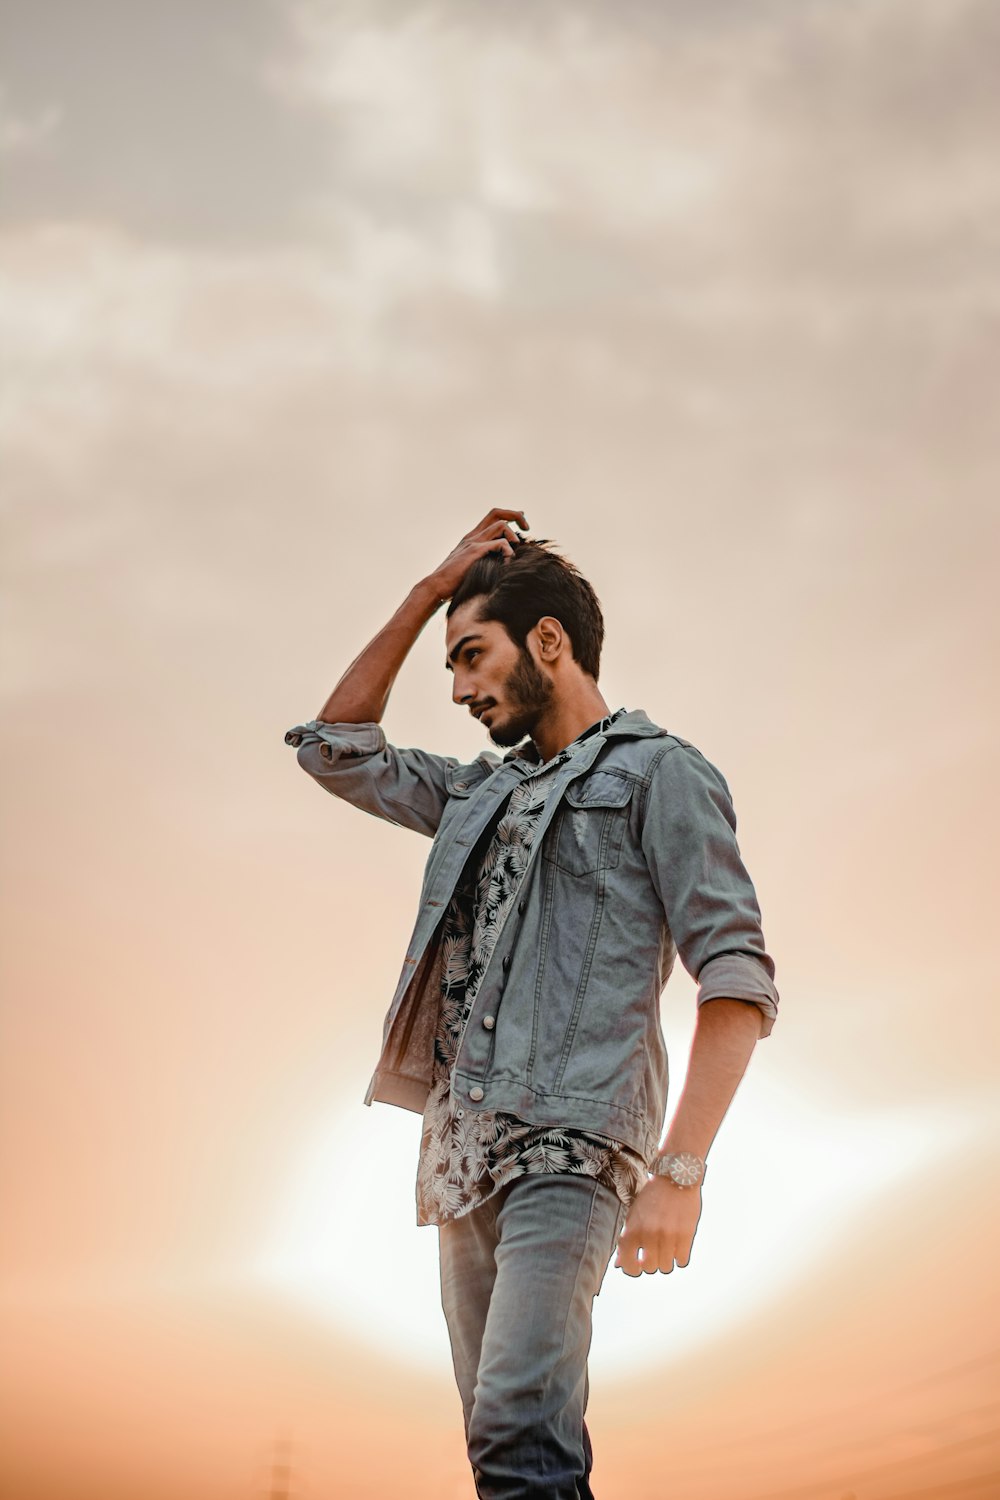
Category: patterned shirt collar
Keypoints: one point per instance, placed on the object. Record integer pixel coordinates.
(597, 728)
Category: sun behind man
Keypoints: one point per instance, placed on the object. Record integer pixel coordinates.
(562, 882)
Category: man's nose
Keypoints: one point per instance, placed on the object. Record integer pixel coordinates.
(461, 692)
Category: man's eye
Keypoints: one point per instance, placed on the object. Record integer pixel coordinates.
(471, 652)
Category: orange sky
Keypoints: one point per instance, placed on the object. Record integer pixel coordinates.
(290, 296)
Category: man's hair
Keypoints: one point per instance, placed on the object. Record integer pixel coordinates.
(517, 591)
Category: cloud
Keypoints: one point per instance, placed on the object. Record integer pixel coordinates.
(169, 132)
(577, 116)
(97, 323)
(712, 219)
(26, 133)
(839, 150)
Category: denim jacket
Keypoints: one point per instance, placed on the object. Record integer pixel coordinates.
(635, 859)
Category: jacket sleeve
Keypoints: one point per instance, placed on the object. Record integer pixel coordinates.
(410, 788)
(689, 840)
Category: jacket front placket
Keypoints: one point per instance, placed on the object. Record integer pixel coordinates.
(405, 1044)
(408, 1032)
(577, 766)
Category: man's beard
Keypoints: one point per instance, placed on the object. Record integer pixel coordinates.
(528, 693)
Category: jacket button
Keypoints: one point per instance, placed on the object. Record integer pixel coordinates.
(489, 1022)
(461, 786)
(475, 1094)
(520, 908)
(506, 962)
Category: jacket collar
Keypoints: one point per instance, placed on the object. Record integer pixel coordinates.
(634, 725)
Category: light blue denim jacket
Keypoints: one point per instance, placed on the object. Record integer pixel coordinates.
(634, 860)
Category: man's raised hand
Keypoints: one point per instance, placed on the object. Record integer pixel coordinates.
(493, 534)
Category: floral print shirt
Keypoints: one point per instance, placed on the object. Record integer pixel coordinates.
(467, 1155)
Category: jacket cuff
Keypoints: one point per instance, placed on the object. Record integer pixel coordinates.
(338, 741)
(738, 976)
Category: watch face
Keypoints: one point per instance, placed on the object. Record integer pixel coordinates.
(686, 1169)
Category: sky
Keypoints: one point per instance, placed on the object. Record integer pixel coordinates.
(291, 294)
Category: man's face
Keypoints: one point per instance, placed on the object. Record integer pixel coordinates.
(499, 683)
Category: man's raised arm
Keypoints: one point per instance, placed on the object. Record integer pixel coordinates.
(362, 693)
(344, 748)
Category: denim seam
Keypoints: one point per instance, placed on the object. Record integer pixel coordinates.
(595, 927)
(548, 896)
(624, 1109)
(569, 1309)
(647, 780)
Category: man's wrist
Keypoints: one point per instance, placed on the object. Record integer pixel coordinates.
(427, 595)
(685, 1169)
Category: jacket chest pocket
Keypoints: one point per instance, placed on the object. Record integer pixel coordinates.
(589, 828)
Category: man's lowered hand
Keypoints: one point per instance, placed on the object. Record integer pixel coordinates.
(659, 1229)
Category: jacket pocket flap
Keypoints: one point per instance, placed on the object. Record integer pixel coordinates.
(462, 780)
(599, 789)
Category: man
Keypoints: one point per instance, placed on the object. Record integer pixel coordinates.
(562, 881)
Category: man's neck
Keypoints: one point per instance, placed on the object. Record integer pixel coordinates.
(566, 723)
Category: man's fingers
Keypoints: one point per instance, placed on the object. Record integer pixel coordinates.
(502, 540)
(636, 1259)
(684, 1252)
(493, 544)
(656, 1259)
(496, 522)
(628, 1255)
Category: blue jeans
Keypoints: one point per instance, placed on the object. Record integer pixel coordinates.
(519, 1275)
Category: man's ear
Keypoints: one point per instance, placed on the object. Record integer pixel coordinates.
(551, 637)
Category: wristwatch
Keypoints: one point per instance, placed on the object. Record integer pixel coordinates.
(683, 1168)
